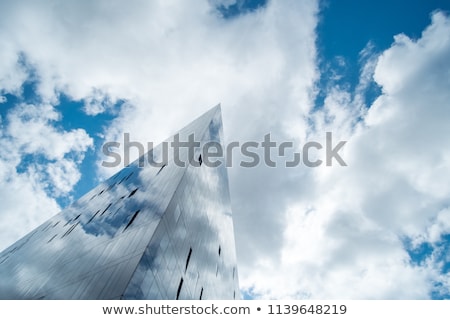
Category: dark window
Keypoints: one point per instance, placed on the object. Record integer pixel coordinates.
(46, 227)
(129, 176)
(133, 192)
(220, 250)
(93, 216)
(179, 288)
(188, 258)
(132, 219)
(200, 159)
(70, 230)
(76, 218)
(109, 205)
(201, 294)
(52, 238)
(234, 295)
(161, 169)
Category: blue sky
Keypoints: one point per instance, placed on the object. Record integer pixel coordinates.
(76, 75)
(347, 26)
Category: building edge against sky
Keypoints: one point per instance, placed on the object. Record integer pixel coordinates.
(148, 232)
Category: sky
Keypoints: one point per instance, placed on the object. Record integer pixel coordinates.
(76, 74)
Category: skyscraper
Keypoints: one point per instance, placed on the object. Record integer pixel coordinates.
(154, 230)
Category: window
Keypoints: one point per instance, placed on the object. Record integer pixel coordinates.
(188, 258)
(128, 177)
(200, 159)
(179, 288)
(220, 250)
(161, 168)
(201, 294)
(46, 227)
(70, 230)
(93, 216)
(132, 219)
(109, 205)
(133, 192)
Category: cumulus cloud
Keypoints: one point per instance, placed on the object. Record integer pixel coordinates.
(327, 232)
(31, 131)
(25, 204)
(347, 240)
(39, 163)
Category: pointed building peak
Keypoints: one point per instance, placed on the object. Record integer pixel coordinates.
(138, 235)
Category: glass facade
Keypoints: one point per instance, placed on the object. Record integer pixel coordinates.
(148, 232)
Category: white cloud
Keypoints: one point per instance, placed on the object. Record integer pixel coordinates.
(24, 204)
(346, 239)
(63, 175)
(320, 233)
(30, 131)
(97, 103)
(438, 227)
(12, 71)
